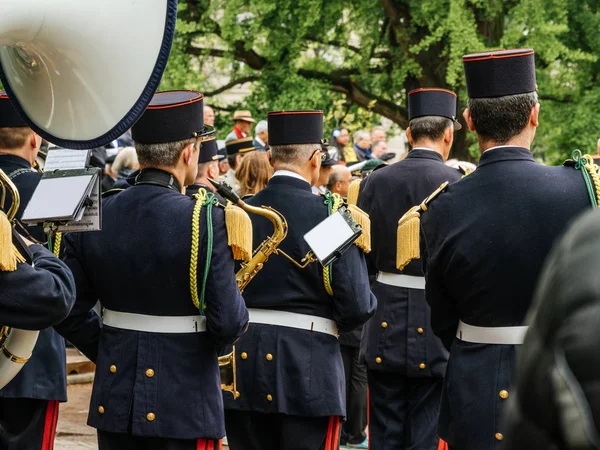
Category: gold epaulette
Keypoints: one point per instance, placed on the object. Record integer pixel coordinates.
(353, 191)
(9, 255)
(362, 218)
(239, 232)
(408, 235)
(464, 170)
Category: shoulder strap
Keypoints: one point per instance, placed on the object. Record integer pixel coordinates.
(589, 171)
(408, 234)
(15, 173)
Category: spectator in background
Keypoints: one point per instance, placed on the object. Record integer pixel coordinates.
(362, 145)
(327, 165)
(223, 164)
(339, 180)
(378, 135)
(242, 125)
(108, 178)
(254, 173)
(126, 162)
(378, 148)
(340, 139)
(237, 149)
(209, 116)
(261, 140)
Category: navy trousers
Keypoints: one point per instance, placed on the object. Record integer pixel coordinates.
(120, 441)
(27, 424)
(259, 431)
(353, 429)
(403, 412)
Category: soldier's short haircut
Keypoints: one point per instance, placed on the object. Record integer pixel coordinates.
(167, 154)
(13, 138)
(501, 118)
(294, 154)
(430, 127)
(203, 168)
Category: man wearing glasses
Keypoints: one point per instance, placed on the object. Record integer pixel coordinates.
(290, 374)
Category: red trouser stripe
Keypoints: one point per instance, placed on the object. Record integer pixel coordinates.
(50, 425)
(208, 444)
(442, 445)
(329, 440)
(336, 433)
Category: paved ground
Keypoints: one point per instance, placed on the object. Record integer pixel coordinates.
(72, 432)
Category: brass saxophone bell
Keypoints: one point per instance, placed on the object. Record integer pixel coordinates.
(228, 373)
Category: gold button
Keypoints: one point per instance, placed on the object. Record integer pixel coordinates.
(150, 417)
(420, 330)
(378, 360)
(113, 368)
(422, 366)
(149, 373)
(244, 355)
(503, 394)
(237, 394)
(101, 409)
(269, 357)
(384, 324)
(499, 436)
(270, 397)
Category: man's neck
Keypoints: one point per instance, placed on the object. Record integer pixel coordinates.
(517, 141)
(203, 181)
(303, 172)
(18, 153)
(173, 171)
(429, 145)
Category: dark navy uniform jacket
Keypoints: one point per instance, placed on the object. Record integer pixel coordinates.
(305, 376)
(140, 263)
(407, 339)
(484, 242)
(36, 297)
(193, 189)
(44, 377)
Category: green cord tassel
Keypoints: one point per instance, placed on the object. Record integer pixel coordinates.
(210, 201)
(580, 163)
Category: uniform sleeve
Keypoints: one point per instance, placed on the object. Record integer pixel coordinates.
(226, 313)
(444, 316)
(82, 327)
(364, 202)
(34, 298)
(354, 301)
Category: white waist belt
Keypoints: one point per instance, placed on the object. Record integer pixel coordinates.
(293, 320)
(401, 280)
(491, 335)
(154, 324)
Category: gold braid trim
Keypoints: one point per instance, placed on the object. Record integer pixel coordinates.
(200, 199)
(338, 202)
(592, 169)
(57, 242)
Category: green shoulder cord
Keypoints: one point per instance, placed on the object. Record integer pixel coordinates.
(333, 202)
(207, 200)
(590, 178)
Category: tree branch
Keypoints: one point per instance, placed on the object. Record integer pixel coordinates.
(334, 44)
(556, 99)
(231, 84)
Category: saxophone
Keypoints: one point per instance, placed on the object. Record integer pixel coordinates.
(13, 343)
(250, 268)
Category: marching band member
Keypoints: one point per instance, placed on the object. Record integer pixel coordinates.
(29, 403)
(484, 241)
(173, 299)
(290, 373)
(406, 361)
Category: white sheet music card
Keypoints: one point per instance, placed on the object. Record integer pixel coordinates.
(90, 218)
(328, 236)
(66, 159)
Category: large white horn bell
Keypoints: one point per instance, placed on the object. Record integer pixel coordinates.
(81, 72)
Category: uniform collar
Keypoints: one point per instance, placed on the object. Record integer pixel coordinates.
(158, 177)
(505, 153)
(425, 153)
(295, 180)
(14, 160)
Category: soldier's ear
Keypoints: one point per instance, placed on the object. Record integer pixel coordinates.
(409, 137)
(187, 153)
(535, 115)
(467, 117)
